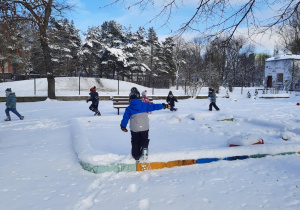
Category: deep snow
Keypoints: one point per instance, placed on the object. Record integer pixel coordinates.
(40, 169)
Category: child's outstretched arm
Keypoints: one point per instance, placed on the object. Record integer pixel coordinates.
(153, 107)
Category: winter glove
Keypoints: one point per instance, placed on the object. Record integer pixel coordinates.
(123, 129)
(87, 101)
(166, 106)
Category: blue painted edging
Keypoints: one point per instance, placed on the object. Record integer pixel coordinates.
(209, 160)
(206, 160)
(237, 158)
(243, 157)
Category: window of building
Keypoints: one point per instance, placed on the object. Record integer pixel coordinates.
(279, 77)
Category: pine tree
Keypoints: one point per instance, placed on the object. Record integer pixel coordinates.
(168, 48)
(114, 57)
(136, 54)
(64, 45)
(90, 52)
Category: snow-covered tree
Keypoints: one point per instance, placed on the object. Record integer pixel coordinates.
(136, 52)
(64, 43)
(168, 48)
(114, 57)
(90, 53)
(37, 14)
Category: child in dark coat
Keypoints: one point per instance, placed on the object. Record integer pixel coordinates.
(136, 112)
(171, 101)
(212, 96)
(94, 97)
(11, 105)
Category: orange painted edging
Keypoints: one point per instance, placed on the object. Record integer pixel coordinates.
(150, 166)
(142, 166)
(160, 165)
(174, 163)
(188, 162)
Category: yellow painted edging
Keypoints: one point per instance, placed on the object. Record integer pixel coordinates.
(188, 162)
(160, 165)
(150, 166)
(174, 163)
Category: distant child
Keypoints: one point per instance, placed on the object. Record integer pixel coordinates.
(145, 98)
(136, 112)
(171, 101)
(227, 94)
(212, 96)
(11, 105)
(249, 94)
(94, 97)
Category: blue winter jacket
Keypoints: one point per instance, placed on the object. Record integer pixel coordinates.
(212, 96)
(11, 101)
(137, 113)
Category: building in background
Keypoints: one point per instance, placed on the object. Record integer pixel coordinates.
(283, 72)
(8, 72)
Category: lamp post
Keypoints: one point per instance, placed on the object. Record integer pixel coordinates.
(79, 81)
(34, 86)
(118, 83)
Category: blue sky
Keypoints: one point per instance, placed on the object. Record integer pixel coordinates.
(87, 13)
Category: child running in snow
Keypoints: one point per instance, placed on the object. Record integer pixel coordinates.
(212, 96)
(11, 105)
(94, 97)
(136, 112)
(248, 95)
(171, 101)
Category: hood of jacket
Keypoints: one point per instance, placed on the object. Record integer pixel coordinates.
(136, 104)
(11, 94)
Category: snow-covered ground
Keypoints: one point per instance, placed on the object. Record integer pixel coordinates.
(39, 157)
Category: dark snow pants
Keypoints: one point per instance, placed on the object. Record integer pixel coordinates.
(7, 110)
(94, 107)
(213, 104)
(139, 141)
(172, 108)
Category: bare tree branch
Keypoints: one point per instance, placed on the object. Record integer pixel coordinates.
(222, 16)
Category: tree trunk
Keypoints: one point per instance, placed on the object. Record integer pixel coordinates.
(51, 86)
(48, 66)
(46, 50)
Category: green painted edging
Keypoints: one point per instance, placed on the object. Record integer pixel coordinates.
(258, 156)
(264, 155)
(108, 168)
(230, 119)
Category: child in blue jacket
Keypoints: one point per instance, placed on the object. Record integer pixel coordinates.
(212, 96)
(136, 112)
(11, 105)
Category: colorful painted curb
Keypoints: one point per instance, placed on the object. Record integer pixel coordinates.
(146, 166)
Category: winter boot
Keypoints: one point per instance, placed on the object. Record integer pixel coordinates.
(22, 118)
(97, 113)
(145, 154)
(7, 119)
